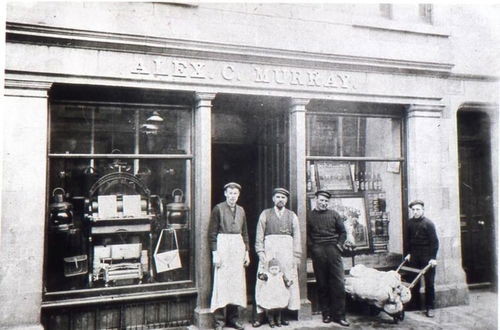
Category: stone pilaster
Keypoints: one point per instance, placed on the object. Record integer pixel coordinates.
(23, 218)
(426, 181)
(297, 133)
(203, 182)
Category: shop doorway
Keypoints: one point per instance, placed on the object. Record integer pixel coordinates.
(476, 202)
(249, 146)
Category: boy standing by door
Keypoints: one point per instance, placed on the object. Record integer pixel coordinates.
(228, 237)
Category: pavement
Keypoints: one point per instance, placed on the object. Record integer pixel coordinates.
(481, 313)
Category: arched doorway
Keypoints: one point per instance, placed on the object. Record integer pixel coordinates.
(476, 196)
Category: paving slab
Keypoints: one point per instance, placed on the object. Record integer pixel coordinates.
(481, 313)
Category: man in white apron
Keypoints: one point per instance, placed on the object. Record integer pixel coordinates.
(228, 237)
(278, 236)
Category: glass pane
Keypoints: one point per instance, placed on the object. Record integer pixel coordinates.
(350, 136)
(383, 195)
(75, 176)
(71, 128)
(324, 134)
(371, 204)
(114, 130)
(88, 250)
(165, 132)
(119, 130)
(383, 137)
(353, 143)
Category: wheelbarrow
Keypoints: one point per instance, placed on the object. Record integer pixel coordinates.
(394, 308)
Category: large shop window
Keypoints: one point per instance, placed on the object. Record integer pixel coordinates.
(119, 208)
(357, 157)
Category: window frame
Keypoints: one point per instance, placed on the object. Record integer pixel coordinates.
(426, 12)
(386, 10)
(94, 295)
(401, 160)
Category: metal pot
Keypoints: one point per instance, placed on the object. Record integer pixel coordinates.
(60, 210)
(177, 211)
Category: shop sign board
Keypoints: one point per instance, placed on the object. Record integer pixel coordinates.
(175, 69)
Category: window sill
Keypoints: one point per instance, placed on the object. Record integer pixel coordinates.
(64, 300)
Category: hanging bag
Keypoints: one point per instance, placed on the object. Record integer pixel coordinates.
(168, 260)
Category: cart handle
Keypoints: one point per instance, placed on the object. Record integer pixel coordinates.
(422, 272)
(401, 265)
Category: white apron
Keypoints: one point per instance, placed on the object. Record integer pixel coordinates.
(281, 248)
(229, 279)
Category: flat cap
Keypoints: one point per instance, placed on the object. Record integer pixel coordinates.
(323, 193)
(416, 202)
(282, 191)
(232, 185)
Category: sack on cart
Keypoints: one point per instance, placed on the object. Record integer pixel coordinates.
(382, 289)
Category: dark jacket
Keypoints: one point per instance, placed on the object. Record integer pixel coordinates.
(421, 238)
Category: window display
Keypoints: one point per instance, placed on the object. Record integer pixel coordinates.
(354, 156)
(120, 183)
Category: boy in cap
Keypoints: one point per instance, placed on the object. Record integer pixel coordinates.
(228, 237)
(422, 245)
(326, 236)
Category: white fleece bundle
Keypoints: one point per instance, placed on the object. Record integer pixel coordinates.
(383, 289)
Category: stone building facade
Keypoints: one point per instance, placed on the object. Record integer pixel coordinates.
(380, 104)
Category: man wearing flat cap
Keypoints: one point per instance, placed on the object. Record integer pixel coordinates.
(422, 245)
(326, 236)
(278, 236)
(228, 237)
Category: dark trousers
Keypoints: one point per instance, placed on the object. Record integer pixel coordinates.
(227, 315)
(329, 273)
(419, 261)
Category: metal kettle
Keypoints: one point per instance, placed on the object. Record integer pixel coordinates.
(61, 213)
(177, 211)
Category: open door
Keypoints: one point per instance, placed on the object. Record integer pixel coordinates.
(249, 146)
(273, 151)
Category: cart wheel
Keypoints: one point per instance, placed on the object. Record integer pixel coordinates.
(395, 319)
(402, 316)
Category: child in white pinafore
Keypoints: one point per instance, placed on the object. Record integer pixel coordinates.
(274, 296)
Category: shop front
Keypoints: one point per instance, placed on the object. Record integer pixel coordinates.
(131, 140)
